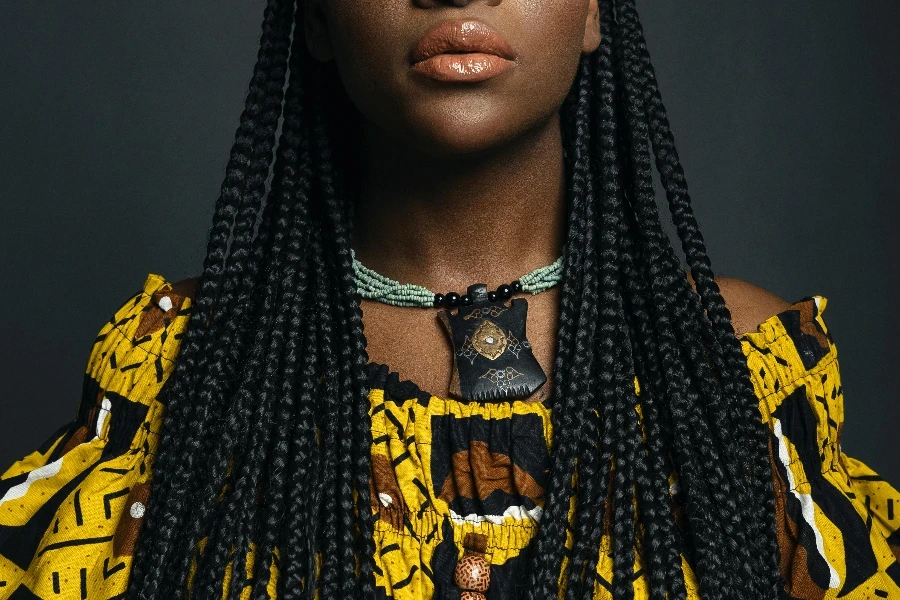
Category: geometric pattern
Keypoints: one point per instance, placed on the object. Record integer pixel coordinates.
(489, 340)
(487, 311)
(71, 511)
(467, 350)
(835, 515)
(514, 345)
(502, 378)
(462, 467)
(70, 532)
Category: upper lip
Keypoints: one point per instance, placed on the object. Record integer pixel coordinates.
(461, 36)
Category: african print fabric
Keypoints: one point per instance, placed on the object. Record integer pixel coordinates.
(71, 512)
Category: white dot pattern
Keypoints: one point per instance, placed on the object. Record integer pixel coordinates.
(137, 510)
(165, 303)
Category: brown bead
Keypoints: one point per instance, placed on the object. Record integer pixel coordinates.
(473, 573)
(475, 543)
(472, 596)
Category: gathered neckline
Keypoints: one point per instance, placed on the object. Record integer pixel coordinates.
(381, 376)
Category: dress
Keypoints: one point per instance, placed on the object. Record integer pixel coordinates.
(71, 511)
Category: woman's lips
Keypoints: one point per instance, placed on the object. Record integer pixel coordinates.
(465, 51)
(470, 66)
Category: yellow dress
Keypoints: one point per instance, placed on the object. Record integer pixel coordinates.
(71, 511)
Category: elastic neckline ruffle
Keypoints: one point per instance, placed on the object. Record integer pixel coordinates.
(381, 376)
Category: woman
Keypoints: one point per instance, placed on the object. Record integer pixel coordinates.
(592, 425)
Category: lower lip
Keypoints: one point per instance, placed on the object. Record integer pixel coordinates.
(467, 67)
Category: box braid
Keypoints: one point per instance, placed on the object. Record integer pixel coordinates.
(747, 434)
(203, 357)
(730, 514)
(263, 462)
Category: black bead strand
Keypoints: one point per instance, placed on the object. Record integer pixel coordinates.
(503, 292)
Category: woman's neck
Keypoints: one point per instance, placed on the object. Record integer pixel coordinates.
(445, 222)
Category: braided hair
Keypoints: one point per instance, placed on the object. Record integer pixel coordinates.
(263, 461)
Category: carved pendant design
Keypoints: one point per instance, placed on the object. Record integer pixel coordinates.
(489, 340)
(492, 358)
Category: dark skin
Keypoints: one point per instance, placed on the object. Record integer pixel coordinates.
(465, 182)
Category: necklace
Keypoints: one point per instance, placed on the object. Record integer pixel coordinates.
(374, 286)
(492, 357)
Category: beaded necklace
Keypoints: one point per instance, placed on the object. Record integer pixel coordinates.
(375, 286)
(492, 357)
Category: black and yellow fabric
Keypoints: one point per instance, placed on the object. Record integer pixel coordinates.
(71, 512)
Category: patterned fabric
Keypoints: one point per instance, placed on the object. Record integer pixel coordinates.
(71, 511)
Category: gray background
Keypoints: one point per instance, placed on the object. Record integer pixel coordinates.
(116, 119)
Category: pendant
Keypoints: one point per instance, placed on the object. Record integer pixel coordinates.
(492, 358)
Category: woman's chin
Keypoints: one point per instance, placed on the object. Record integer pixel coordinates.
(462, 138)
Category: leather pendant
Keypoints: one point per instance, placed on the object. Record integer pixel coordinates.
(492, 358)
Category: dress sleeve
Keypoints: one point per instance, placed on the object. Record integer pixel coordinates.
(837, 527)
(71, 511)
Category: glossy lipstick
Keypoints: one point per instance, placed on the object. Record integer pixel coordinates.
(462, 51)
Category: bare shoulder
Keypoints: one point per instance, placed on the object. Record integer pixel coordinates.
(748, 303)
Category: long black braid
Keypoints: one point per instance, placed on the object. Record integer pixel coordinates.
(263, 463)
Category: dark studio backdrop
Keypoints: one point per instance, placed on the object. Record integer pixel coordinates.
(116, 119)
